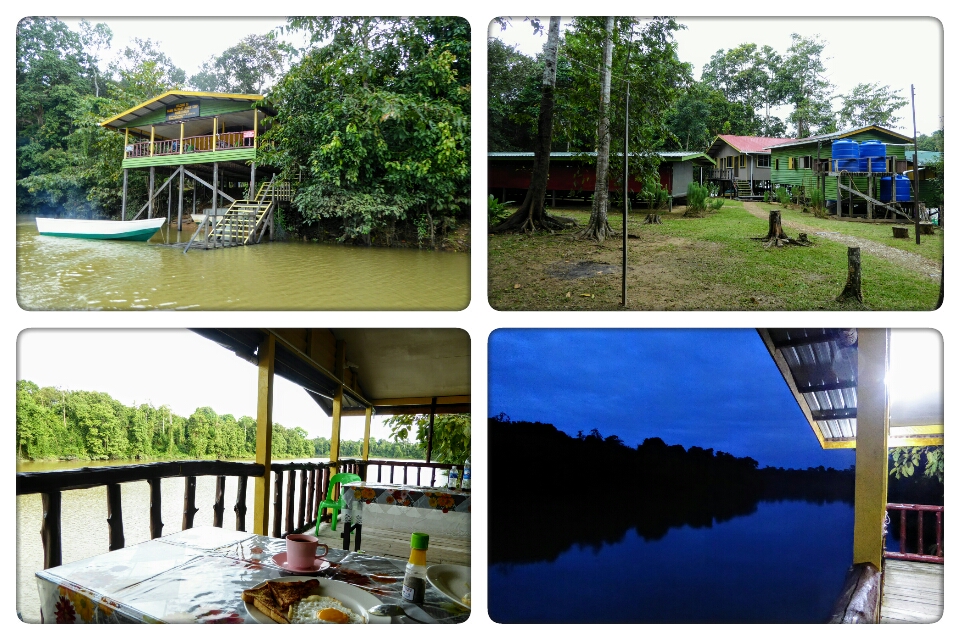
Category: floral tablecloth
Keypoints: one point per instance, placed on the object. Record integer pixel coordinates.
(406, 508)
(198, 575)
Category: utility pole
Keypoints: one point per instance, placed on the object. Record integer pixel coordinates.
(916, 170)
(626, 194)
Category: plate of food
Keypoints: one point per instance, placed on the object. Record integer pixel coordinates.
(303, 600)
(452, 580)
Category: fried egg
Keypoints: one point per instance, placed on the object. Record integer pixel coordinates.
(323, 610)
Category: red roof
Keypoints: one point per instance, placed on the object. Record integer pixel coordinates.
(753, 144)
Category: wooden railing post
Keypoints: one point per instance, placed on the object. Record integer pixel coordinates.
(114, 517)
(156, 519)
(218, 503)
(50, 530)
(302, 501)
(240, 508)
(311, 486)
(277, 503)
(189, 501)
(291, 487)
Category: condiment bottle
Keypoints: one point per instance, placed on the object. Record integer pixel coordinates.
(415, 576)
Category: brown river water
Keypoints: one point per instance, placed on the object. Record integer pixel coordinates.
(68, 274)
(84, 519)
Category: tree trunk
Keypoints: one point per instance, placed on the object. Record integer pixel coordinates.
(852, 289)
(531, 215)
(598, 228)
(775, 234)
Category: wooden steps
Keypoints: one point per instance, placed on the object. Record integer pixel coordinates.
(912, 592)
(744, 188)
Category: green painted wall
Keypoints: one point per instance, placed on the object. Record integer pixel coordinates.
(246, 153)
(208, 108)
(805, 177)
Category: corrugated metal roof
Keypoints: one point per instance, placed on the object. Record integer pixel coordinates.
(171, 97)
(670, 156)
(820, 367)
(746, 144)
(840, 134)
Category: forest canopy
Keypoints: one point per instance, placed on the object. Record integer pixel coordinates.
(56, 424)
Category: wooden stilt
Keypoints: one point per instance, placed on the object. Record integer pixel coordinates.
(252, 191)
(180, 203)
(150, 193)
(114, 517)
(123, 198)
(213, 216)
(169, 199)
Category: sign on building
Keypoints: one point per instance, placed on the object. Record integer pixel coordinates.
(183, 110)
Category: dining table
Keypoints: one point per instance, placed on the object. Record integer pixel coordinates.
(198, 575)
(407, 508)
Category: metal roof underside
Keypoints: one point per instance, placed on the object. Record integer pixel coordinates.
(172, 97)
(820, 368)
(389, 363)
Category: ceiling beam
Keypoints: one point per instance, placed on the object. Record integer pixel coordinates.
(834, 414)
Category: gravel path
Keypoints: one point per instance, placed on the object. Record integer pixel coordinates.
(905, 259)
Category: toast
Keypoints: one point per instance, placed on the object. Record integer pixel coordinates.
(251, 594)
(287, 593)
(268, 607)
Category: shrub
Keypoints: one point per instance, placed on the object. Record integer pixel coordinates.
(818, 203)
(783, 196)
(654, 193)
(496, 210)
(766, 196)
(696, 198)
(716, 204)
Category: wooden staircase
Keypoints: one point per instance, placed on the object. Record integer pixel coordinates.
(744, 189)
(243, 223)
(280, 191)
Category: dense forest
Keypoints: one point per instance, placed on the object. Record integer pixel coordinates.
(54, 424)
(738, 92)
(372, 125)
(594, 488)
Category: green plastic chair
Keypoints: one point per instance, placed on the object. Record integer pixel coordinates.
(334, 505)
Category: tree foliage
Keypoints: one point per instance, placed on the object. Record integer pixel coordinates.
(55, 424)
(905, 461)
(869, 103)
(374, 126)
(806, 86)
(250, 66)
(451, 434)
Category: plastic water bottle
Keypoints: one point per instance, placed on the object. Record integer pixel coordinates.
(452, 478)
(465, 483)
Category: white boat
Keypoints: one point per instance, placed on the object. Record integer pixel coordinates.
(141, 230)
(198, 217)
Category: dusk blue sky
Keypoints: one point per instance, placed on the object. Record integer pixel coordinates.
(714, 388)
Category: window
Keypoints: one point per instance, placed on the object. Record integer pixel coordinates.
(763, 161)
(806, 162)
(776, 164)
(743, 160)
(729, 162)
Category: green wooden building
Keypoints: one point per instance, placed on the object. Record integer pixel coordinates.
(808, 163)
(209, 138)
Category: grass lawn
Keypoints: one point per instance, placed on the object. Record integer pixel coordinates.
(710, 263)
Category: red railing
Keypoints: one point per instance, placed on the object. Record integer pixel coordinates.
(192, 144)
(920, 555)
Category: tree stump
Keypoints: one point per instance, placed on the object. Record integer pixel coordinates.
(852, 289)
(901, 232)
(775, 234)
(926, 229)
(802, 237)
(653, 218)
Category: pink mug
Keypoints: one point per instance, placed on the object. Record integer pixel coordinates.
(302, 551)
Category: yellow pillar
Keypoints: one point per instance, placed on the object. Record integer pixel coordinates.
(366, 432)
(126, 139)
(214, 138)
(873, 421)
(256, 113)
(152, 131)
(261, 486)
(181, 137)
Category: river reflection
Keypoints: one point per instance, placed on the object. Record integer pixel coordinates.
(67, 273)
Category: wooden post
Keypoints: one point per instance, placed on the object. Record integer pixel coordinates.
(367, 415)
(873, 420)
(180, 201)
(311, 492)
(218, 501)
(50, 530)
(852, 289)
(288, 512)
(261, 485)
(215, 137)
(302, 500)
(256, 113)
(252, 191)
(277, 504)
(156, 521)
(150, 193)
(839, 198)
(126, 141)
(181, 138)
(123, 198)
(189, 501)
(194, 196)
(240, 508)
(870, 190)
(169, 198)
(212, 221)
(433, 412)
(114, 517)
(152, 131)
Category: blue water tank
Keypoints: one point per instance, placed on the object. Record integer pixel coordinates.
(902, 193)
(846, 155)
(876, 151)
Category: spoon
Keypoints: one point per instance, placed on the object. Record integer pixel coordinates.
(411, 610)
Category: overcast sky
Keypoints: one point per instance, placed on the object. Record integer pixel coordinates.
(189, 42)
(175, 367)
(715, 389)
(849, 42)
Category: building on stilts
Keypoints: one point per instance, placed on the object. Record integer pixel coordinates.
(199, 151)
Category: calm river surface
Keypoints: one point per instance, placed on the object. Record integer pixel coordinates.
(68, 273)
(786, 562)
(84, 519)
